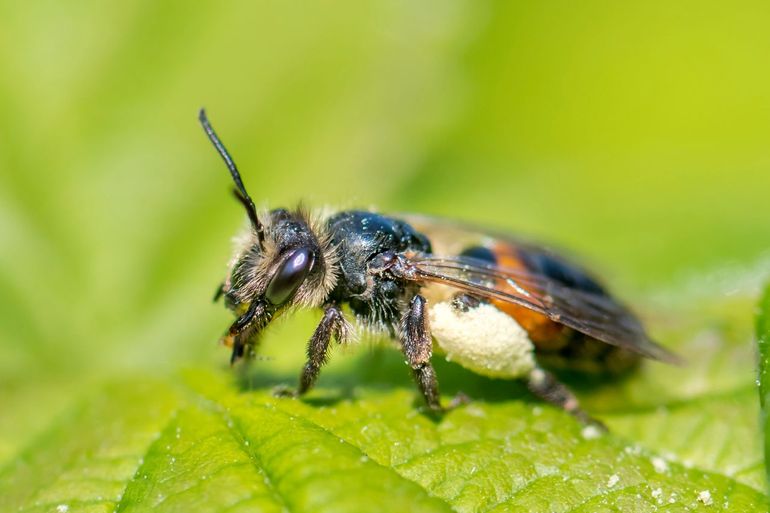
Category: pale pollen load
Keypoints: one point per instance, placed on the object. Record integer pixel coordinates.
(482, 339)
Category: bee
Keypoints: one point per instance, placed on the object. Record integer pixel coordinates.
(493, 304)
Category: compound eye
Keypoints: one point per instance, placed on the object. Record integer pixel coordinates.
(290, 276)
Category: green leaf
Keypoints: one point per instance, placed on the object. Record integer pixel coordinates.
(206, 444)
(763, 344)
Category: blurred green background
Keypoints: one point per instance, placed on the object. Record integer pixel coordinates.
(634, 134)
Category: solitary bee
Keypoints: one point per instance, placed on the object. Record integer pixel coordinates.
(495, 305)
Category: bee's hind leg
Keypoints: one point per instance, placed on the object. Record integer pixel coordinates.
(544, 385)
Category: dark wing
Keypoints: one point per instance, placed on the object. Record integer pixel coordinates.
(596, 315)
(593, 313)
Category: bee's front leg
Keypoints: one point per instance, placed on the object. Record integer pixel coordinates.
(243, 330)
(220, 292)
(332, 324)
(417, 346)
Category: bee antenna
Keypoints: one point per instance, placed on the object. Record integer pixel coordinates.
(240, 190)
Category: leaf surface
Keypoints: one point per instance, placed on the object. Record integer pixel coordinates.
(763, 343)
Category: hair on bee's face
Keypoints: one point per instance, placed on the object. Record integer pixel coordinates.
(282, 268)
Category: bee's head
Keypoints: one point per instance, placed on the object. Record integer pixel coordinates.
(284, 259)
(289, 266)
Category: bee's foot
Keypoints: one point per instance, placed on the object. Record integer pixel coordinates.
(439, 410)
(590, 422)
(226, 340)
(285, 391)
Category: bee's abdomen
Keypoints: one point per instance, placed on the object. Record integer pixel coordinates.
(559, 270)
(556, 345)
(582, 353)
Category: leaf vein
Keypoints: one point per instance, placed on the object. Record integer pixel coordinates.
(233, 427)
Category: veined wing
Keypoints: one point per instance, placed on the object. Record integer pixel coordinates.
(596, 315)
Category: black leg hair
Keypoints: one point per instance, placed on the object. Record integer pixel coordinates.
(544, 385)
(243, 329)
(219, 292)
(243, 342)
(417, 346)
(465, 302)
(332, 324)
